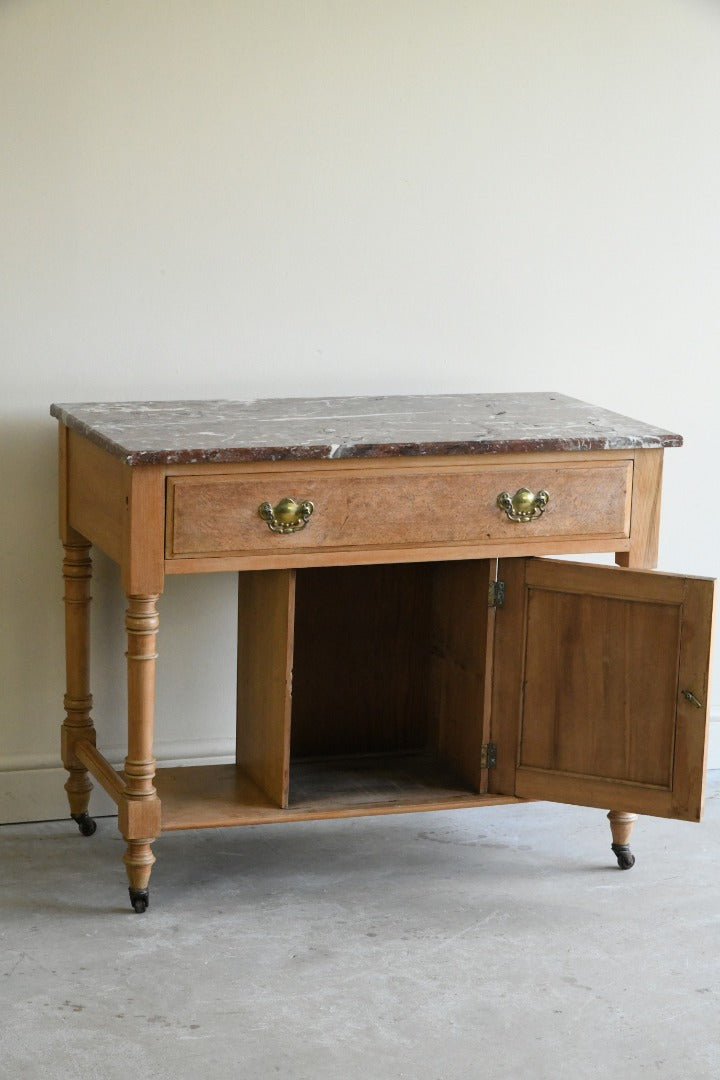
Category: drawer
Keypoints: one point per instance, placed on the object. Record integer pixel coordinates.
(217, 515)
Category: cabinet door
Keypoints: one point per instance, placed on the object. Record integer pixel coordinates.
(600, 686)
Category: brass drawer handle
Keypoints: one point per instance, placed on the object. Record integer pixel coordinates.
(523, 505)
(287, 516)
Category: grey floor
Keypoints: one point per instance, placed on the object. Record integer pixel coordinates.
(495, 943)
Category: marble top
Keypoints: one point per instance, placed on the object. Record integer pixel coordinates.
(190, 432)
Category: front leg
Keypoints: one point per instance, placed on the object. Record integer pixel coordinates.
(621, 826)
(139, 809)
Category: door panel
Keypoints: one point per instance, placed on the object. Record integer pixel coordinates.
(590, 665)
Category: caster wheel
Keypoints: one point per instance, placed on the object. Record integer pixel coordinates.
(85, 823)
(140, 900)
(625, 857)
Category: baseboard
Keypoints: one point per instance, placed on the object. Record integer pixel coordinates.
(34, 790)
(713, 761)
(32, 787)
(38, 795)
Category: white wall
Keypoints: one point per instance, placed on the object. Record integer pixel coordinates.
(255, 198)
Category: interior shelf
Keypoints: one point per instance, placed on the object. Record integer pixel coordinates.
(207, 796)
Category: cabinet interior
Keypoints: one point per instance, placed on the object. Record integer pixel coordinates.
(361, 689)
(388, 680)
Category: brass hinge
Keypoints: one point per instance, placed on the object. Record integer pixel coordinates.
(496, 594)
(488, 755)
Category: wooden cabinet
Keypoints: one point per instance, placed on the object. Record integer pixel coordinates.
(401, 644)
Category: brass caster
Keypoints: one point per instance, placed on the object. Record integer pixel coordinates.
(85, 823)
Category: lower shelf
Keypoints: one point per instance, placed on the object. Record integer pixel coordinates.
(210, 796)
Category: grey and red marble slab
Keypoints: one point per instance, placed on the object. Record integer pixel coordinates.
(193, 432)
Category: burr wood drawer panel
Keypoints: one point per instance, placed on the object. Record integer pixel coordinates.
(218, 515)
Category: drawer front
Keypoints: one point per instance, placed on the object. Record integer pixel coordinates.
(217, 515)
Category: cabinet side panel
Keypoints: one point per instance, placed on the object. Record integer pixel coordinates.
(96, 486)
(266, 606)
(458, 663)
(68, 535)
(645, 511)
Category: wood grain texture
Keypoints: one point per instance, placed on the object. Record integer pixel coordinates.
(508, 651)
(489, 549)
(694, 676)
(139, 806)
(100, 769)
(645, 513)
(211, 796)
(458, 665)
(68, 534)
(642, 553)
(589, 672)
(360, 675)
(269, 469)
(266, 632)
(78, 724)
(142, 564)
(621, 826)
(593, 705)
(445, 505)
(96, 504)
(391, 659)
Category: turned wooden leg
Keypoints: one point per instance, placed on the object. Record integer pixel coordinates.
(139, 809)
(621, 826)
(78, 725)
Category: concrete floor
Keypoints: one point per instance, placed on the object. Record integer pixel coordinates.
(497, 943)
